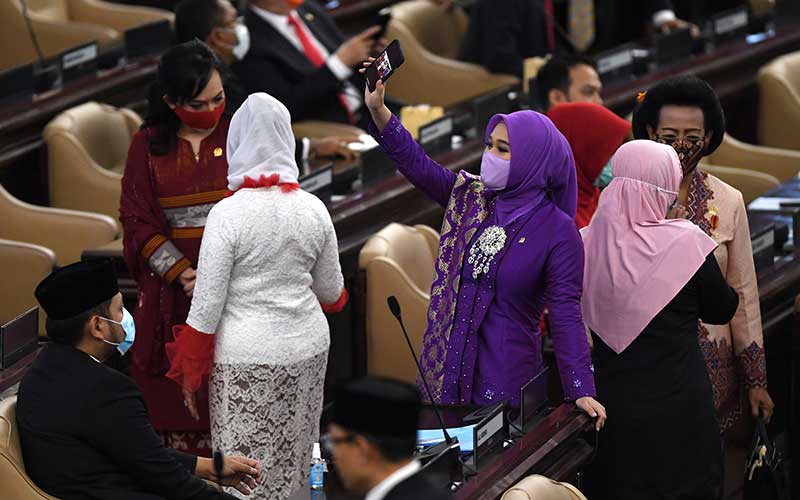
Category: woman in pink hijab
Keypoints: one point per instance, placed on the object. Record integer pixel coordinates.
(648, 279)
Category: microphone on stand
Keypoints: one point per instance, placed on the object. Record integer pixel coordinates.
(450, 446)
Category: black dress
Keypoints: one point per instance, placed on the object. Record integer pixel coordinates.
(661, 440)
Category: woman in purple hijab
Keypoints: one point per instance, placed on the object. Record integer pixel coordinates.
(508, 245)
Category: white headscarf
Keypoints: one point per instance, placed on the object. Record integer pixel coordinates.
(261, 142)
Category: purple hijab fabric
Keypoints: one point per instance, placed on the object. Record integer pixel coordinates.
(541, 166)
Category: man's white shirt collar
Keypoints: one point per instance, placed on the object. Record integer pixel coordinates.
(395, 478)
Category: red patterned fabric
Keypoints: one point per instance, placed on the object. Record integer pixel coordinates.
(265, 181)
(190, 356)
(338, 305)
(753, 366)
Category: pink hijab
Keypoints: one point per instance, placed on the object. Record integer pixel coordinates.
(636, 260)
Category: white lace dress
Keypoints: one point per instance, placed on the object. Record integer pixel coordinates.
(267, 261)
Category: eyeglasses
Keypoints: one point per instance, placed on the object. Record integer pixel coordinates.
(329, 442)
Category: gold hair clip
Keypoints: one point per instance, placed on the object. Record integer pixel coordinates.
(640, 96)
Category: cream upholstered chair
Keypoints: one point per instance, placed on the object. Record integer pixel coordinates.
(62, 24)
(779, 102)
(23, 266)
(14, 482)
(66, 232)
(314, 129)
(537, 487)
(783, 164)
(752, 184)
(398, 260)
(431, 39)
(87, 147)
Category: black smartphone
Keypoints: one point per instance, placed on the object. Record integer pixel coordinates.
(384, 65)
(382, 20)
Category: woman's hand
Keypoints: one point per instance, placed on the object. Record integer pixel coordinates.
(190, 402)
(241, 473)
(187, 280)
(375, 101)
(593, 409)
(678, 212)
(760, 400)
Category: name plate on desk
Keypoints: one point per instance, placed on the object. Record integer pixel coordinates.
(730, 23)
(764, 246)
(78, 61)
(149, 39)
(615, 63)
(435, 136)
(375, 166)
(19, 337)
(489, 434)
(319, 183)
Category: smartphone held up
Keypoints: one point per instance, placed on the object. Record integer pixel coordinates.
(384, 65)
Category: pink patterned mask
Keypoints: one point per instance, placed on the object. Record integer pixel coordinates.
(494, 171)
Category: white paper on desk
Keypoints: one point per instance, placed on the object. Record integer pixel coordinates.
(769, 204)
(465, 435)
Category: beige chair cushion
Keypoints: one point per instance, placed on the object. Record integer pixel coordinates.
(314, 129)
(87, 147)
(398, 260)
(116, 16)
(752, 184)
(23, 266)
(67, 232)
(779, 102)
(783, 164)
(14, 482)
(537, 487)
(430, 37)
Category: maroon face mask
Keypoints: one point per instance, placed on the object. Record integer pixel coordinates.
(200, 120)
(689, 152)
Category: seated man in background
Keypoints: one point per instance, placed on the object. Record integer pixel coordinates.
(567, 79)
(83, 427)
(372, 437)
(216, 23)
(298, 56)
(502, 35)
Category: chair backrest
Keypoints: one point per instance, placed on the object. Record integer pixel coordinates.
(67, 232)
(14, 482)
(538, 487)
(22, 266)
(398, 260)
(440, 31)
(779, 102)
(54, 10)
(752, 184)
(101, 133)
(412, 249)
(14, 34)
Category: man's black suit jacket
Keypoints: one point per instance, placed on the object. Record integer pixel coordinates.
(417, 487)
(275, 66)
(501, 35)
(85, 434)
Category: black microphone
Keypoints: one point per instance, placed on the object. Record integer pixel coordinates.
(44, 76)
(394, 306)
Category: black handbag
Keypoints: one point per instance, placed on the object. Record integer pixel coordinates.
(765, 470)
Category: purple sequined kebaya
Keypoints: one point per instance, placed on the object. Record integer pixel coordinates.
(483, 341)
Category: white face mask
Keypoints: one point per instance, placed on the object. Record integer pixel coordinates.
(242, 41)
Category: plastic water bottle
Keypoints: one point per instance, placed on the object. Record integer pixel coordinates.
(317, 469)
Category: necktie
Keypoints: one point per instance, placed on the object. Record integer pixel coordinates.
(581, 23)
(551, 38)
(314, 56)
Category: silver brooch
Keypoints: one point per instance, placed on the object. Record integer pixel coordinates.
(482, 253)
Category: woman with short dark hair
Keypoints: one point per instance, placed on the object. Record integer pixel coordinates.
(685, 113)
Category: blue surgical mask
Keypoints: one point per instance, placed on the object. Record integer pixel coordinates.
(605, 176)
(494, 171)
(129, 327)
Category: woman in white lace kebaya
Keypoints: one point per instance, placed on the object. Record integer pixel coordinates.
(268, 270)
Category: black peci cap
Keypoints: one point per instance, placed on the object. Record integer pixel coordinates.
(74, 289)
